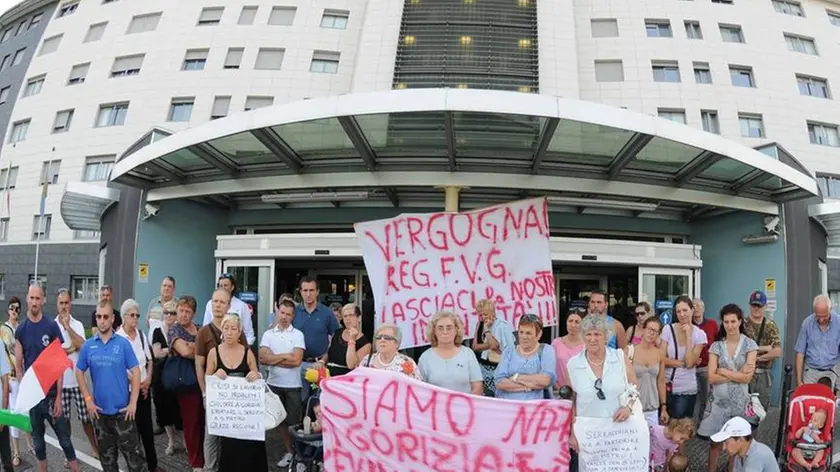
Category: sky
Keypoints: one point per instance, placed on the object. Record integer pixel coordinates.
(6, 4)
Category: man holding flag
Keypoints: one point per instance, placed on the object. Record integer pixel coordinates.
(42, 359)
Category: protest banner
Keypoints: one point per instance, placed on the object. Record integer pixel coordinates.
(375, 420)
(607, 446)
(420, 264)
(236, 408)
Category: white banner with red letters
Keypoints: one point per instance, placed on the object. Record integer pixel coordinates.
(419, 264)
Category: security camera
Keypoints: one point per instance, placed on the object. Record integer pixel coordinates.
(150, 210)
(771, 224)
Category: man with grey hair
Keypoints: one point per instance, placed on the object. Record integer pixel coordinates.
(818, 345)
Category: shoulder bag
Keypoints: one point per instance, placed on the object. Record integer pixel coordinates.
(669, 385)
(179, 374)
(275, 413)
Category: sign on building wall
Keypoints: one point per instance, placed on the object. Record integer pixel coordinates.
(419, 264)
(143, 272)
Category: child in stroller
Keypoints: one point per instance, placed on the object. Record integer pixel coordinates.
(810, 434)
(307, 440)
(809, 430)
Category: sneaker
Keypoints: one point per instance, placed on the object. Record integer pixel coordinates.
(301, 467)
(286, 460)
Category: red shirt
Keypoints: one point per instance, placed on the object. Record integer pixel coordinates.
(709, 327)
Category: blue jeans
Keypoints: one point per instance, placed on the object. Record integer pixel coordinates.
(681, 406)
(61, 426)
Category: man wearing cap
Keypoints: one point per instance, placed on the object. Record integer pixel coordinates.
(765, 333)
(748, 454)
(817, 344)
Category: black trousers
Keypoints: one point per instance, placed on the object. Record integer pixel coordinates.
(145, 430)
(6, 450)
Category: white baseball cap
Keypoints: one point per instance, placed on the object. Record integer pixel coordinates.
(736, 427)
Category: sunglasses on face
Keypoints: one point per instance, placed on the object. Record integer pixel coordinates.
(386, 337)
(133, 315)
(173, 313)
(599, 392)
(102, 317)
(15, 308)
(641, 313)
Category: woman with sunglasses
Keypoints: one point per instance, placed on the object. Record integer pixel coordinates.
(492, 337)
(569, 345)
(636, 332)
(166, 403)
(527, 371)
(7, 333)
(387, 357)
(599, 376)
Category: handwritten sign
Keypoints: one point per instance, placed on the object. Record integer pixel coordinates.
(607, 446)
(420, 264)
(389, 422)
(236, 408)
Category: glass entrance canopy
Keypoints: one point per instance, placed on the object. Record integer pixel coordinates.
(473, 138)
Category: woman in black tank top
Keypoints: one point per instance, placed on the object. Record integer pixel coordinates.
(237, 454)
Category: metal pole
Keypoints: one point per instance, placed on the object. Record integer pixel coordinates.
(783, 407)
(38, 246)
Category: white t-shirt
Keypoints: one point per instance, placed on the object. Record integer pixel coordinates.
(240, 308)
(77, 326)
(283, 342)
(141, 348)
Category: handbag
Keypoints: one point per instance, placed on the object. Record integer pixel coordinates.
(669, 385)
(179, 375)
(275, 413)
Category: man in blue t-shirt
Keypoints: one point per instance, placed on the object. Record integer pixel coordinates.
(317, 323)
(112, 365)
(34, 334)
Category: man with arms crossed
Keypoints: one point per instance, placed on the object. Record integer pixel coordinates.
(317, 323)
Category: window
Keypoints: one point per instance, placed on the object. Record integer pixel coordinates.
(665, 71)
(4, 235)
(62, 121)
(812, 86)
(692, 30)
(67, 9)
(49, 172)
(609, 71)
(824, 134)
(18, 57)
(247, 15)
(677, 116)
(709, 119)
(112, 115)
(19, 130)
(85, 289)
(7, 34)
(181, 109)
(33, 86)
(8, 178)
(282, 16)
(4, 94)
(143, 23)
(731, 34)
(800, 44)
(702, 73)
(604, 28)
(269, 59)
(21, 27)
(335, 19)
(752, 125)
(6, 61)
(78, 73)
(195, 59)
(221, 106)
(830, 186)
(50, 45)
(324, 61)
(42, 281)
(833, 17)
(788, 7)
(233, 58)
(658, 29)
(210, 16)
(252, 103)
(98, 168)
(95, 32)
(85, 234)
(41, 229)
(127, 65)
(35, 21)
(742, 76)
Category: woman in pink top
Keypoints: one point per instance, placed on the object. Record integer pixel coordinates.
(637, 331)
(569, 345)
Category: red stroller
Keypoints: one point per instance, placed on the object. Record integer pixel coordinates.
(804, 401)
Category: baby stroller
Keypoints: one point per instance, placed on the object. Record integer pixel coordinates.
(804, 401)
(308, 449)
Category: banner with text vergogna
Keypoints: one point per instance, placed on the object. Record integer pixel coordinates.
(419, 264)
(389, 422)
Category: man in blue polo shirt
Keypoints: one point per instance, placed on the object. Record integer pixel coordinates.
(112, 365)
(317, 323)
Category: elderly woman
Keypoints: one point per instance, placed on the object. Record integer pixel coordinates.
(166, 403)
(636, 332)
(387, 357)
(448, 364)
(527, 371)
(182, 336)
(685, 343)
(569, 345)
(232, 359)
(731, 367)
(599, 375)
(348, 345)
(492, 337)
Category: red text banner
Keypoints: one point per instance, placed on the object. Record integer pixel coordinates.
(379, 421)
(420, 264)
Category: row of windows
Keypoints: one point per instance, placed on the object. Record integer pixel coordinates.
(740, 76)
(25, 25)
(84, 289)
(791, 7)
(97, 168)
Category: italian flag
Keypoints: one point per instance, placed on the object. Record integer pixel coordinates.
(36, 383)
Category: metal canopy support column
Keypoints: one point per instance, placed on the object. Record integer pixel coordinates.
(695, 167)
(628, 153)
(209, 155)
(546, 134)
(449, 127)
(351, 127)
(452, 198)
(279, 148)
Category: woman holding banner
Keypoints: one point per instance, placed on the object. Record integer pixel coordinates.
(492, 337)
(448, 364)
(387, 357)
(527, 371)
